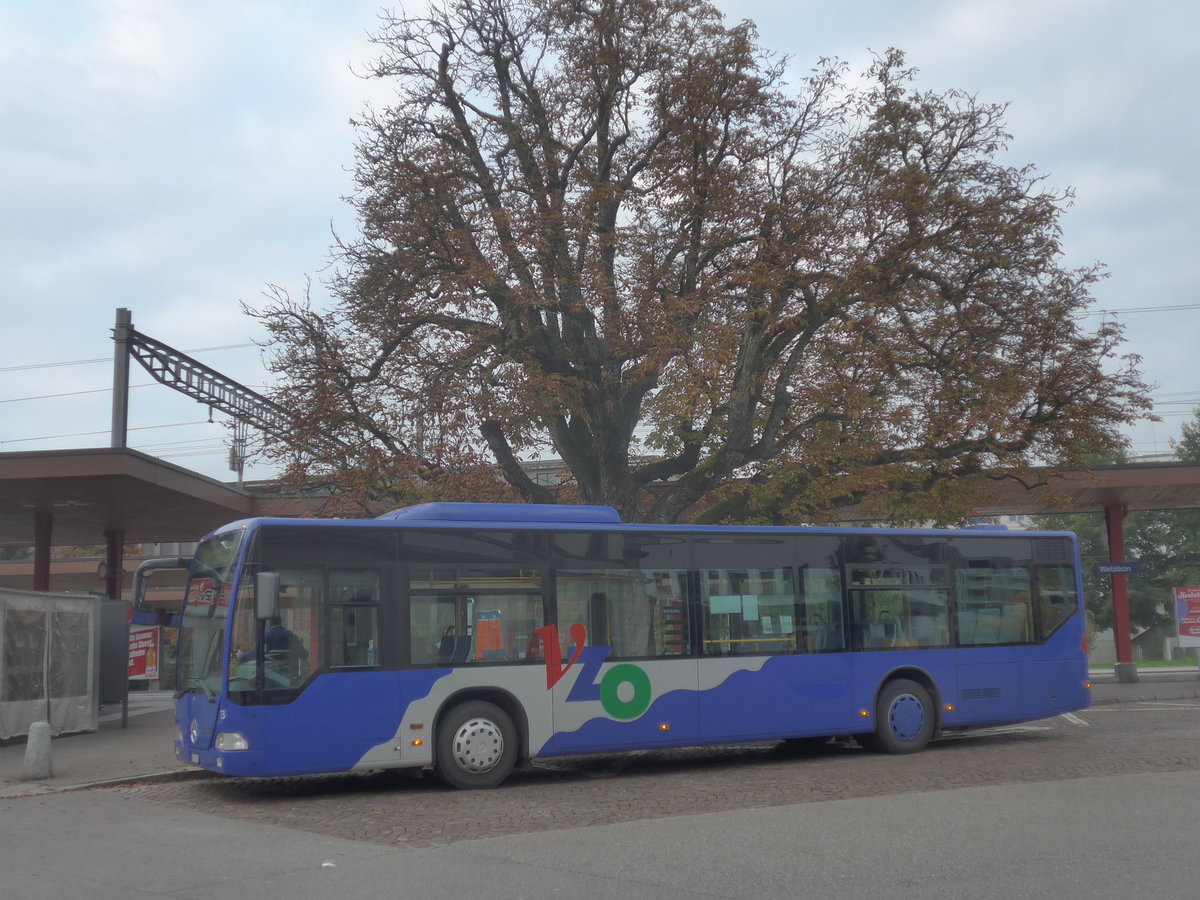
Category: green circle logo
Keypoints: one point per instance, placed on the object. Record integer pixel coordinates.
(625, 673)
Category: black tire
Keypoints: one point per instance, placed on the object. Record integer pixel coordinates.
(905, 718)
(476, 746)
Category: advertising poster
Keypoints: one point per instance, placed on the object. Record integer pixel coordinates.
(143, 652)
(203, 592)
(1187, 615)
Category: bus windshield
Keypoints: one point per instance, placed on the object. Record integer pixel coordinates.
(205, 610)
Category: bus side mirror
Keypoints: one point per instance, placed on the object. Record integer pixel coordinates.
(266, 599)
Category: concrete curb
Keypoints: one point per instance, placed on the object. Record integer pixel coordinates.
(1144, 696)
(11, 790)
(1152, 685)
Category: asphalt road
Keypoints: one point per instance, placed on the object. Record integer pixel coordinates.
(1098, 804)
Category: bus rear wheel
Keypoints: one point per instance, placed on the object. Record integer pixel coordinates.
(476, 746)
(904, 718)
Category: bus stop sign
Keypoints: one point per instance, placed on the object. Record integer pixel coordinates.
(1121, 568)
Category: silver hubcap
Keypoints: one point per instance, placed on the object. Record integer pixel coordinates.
(478, 745)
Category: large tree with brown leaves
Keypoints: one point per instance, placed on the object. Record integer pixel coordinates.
(609, 232)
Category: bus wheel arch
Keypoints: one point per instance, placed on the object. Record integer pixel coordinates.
(479, 738)
(907, 713)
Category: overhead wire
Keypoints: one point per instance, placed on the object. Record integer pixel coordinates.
(165, 449)
(103, 390)
(104, 359)
(55, 437)
(1192, 398)
(1141, 309)
(107, 390)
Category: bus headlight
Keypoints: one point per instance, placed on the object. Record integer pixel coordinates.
(231, 740)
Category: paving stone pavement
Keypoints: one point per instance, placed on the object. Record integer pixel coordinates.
(407, 809)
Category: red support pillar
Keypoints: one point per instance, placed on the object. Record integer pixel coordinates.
(1114, 521)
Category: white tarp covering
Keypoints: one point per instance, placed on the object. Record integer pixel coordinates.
(48, 662)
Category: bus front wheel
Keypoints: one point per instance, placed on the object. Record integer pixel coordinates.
(476, 746)
(904, 718)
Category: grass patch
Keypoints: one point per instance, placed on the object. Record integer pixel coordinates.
(1166, 663)
(1181, 662)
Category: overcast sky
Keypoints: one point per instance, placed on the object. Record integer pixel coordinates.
(175, 158)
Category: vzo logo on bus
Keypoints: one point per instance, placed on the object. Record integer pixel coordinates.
(608, 690)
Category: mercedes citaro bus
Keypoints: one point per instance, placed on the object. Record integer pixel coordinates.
(471, 638)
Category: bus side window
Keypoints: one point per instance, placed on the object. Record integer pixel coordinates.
(635, 613)
(354, 618)
(1057, 600)
(354, 631)
(438, 628)
(994, 606)
(821, 610)
(748, 611)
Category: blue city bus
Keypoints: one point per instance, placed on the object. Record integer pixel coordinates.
(473, 638)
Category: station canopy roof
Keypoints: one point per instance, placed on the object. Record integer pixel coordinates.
(91, 491)
(1155, 485)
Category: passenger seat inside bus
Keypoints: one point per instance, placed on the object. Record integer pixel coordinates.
(453, 648)
(883, 635)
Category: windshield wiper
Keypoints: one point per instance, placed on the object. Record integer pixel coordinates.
(197, 682)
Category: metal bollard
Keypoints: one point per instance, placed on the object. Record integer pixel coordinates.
(37, 753)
